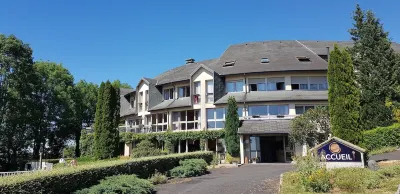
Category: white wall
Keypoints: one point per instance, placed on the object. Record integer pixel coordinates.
(202, 75)
(143, 87)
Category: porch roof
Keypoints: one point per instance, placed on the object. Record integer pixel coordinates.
(265, 126)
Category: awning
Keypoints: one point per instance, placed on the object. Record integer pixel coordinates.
(265, 126)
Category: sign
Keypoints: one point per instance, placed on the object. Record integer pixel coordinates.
(335, 151)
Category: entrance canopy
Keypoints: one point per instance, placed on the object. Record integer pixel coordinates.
(265, 126)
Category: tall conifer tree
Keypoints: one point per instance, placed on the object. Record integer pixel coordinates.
(344, 96)
(231, 127)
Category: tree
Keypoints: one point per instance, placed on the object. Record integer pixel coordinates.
(311, 128)
(231, 126)
(343, 96)
(118, 84)
(86, 94)
(377, 69)
(107, 117)
(16, 88)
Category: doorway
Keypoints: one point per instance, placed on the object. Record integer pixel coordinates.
(271, 148)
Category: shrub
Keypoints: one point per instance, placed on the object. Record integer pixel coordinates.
(215, 160)
(120, 184)
(390, 171)
(190, 168)
(67, 180)
(229, 159)
(69, 152)
(319, 181)
(158, 178)
(356, 179)
(382, 137)
(145, 148)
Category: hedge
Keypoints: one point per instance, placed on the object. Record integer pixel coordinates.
(382, 137)
(128, 137)
(67, 180)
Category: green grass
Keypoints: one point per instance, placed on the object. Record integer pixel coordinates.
(383, 150)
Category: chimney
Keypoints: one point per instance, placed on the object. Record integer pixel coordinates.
(190, 60)
(327, 52)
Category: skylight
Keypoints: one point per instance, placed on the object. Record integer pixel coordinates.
(229, 64)
(264, 60)
(303, 59)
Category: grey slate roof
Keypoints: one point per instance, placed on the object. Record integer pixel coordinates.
(181, 73)
(281, 95)
(166, 104)
(124, 102)
(264, 126)
(281, 54)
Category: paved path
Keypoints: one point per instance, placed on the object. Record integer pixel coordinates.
(251, 178)
(386, 156)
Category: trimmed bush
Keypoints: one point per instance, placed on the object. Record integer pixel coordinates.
(67, 180)
(190, 168)
(146, 148)
(120, 184)
(382, 137)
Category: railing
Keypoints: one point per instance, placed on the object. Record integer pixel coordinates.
(3, 174)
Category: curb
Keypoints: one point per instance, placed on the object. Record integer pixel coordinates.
(398, 190)
(280, 183)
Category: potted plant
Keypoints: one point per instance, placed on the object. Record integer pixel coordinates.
(254, 160)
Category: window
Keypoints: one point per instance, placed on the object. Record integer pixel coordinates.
(146, 100)
(299, 83)
(275, 83)
(159, 122)
(215, 118)
(303, 59)
(240, 111)
(196, 92)
(210, 91)
(186, 120)
(132, 102)
(324, 57)
(140, 101)
(229, 64)
(257, 84)
(234, 86)
(301, 109)
(318, 83)
(183, 91)
(264, 60)
(169, 94)
(264, 110)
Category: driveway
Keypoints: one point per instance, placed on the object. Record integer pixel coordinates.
(251, 178)
(386, 156)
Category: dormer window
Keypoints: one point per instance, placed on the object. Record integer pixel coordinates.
(303, 59)
(169, 94)
(264, 60)
(229, 64)
(132, 102)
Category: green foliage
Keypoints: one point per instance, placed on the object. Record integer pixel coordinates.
(215, 160)
(311, 127)
(158, 178)
(145, 148)
(382, 137)
(377, 69)
(344, 97)
(128, 137)
(87, 144)
(189, 168)
(106, 139)
(231, 126)
(356, 179)
(69, 152)
(230, 159)
(203, 144)
(67, 180)
(319, 181)
(390, 171)
(128, 184)
(118, 84)
(382, 150)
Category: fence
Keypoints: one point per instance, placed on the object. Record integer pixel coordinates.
(12, 173)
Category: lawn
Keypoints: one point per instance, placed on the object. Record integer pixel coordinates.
(385, 180)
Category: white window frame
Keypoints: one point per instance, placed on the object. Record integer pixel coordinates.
(185, 89)
(235, 85)
(268, 109)
(210, 96)
(215, 117)
(132, 102)
(177, 125)
(195, 93)
(169, 93)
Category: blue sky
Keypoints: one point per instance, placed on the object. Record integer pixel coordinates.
(127, 40)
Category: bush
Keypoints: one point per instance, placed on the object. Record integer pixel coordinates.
(145, 148)
(319, 181)
(190, 168)
(215, 160)
(67, 180)
(120, 184)
(356, 179)
(382, 137)
(69, 152)
(229, 159)
(158, 178)
(390, 171)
